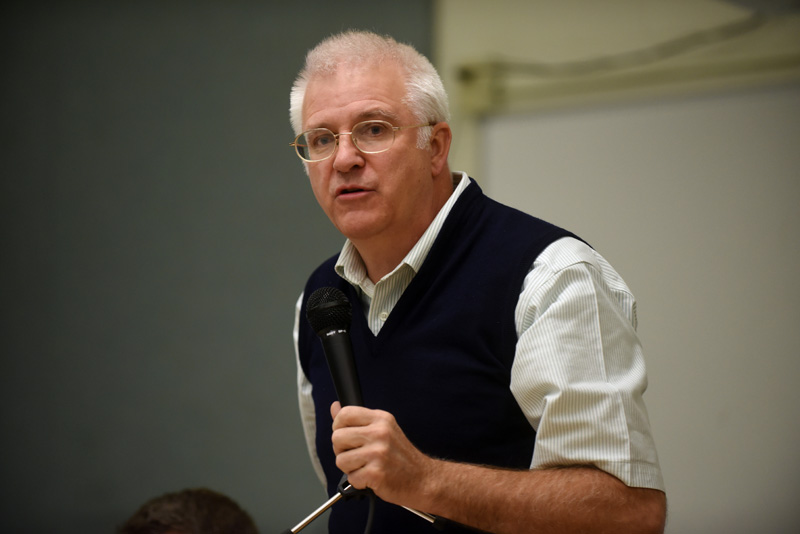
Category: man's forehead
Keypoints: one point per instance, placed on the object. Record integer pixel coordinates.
(361, 93)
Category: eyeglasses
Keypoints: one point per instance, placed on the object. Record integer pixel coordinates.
(370, 137)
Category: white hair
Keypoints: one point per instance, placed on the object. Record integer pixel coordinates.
(425, 94)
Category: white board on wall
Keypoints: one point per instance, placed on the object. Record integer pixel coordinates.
(696, 202)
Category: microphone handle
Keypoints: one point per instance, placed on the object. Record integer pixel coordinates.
(339, 355)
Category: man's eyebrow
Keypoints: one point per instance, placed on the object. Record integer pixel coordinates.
(377, 114)
(370, 114)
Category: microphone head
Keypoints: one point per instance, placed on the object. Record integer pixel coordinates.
(328, 309)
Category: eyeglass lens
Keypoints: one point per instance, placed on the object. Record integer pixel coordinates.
(369, 136)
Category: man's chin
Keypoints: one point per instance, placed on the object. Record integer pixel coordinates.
(358, 228)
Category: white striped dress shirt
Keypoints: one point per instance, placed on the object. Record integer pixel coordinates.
(578, 371)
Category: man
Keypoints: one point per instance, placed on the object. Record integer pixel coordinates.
(478, 331)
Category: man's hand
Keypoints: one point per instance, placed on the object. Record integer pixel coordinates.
(373, 451)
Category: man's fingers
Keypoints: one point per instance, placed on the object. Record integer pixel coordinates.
(335, 408)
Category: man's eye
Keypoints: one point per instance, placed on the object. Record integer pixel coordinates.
(321, 141)
(374, 129)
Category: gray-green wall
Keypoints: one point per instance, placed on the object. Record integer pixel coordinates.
(156, 232)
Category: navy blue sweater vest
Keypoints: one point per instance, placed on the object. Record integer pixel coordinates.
(441, 364)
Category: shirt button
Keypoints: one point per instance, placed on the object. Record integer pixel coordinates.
(384, 316)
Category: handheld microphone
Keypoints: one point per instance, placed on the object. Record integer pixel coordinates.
(329, 313)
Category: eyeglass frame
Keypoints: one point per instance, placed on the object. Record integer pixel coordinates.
(394, 129)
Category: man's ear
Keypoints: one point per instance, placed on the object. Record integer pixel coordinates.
(440, 146)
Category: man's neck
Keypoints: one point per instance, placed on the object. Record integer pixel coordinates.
(382, 254)
(381, 258)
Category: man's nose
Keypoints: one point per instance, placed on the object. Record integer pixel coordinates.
(347, 155)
